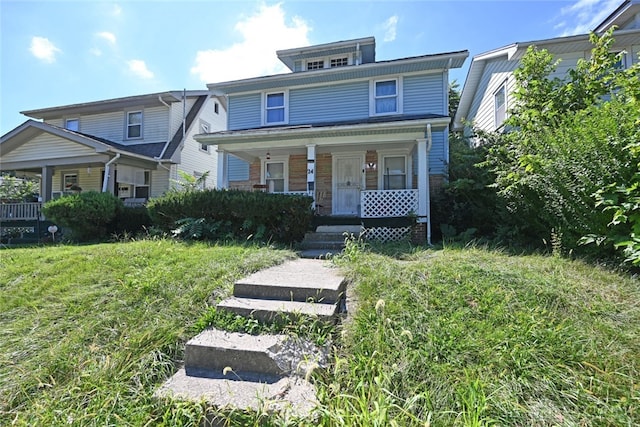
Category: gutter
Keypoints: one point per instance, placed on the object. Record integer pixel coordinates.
(107, 169)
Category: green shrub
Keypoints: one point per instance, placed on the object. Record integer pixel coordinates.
(86, 215)
(130, 220)
(219, 214)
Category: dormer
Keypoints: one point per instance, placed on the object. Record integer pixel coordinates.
(625, 17)
(329, 55)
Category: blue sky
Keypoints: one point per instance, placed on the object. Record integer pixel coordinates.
(64, 52)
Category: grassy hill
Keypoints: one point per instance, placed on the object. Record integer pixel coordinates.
(440, 337)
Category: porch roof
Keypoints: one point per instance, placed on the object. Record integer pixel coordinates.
(370, 126)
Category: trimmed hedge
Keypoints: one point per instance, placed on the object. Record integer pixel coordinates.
(87, 215)
(238, 214)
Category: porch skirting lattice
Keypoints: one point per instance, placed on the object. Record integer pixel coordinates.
(388, 204)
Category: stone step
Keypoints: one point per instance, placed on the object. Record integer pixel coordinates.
(324, 244)
(248, 357)
(269, 310)
(288, 396)
(340, 229)
(301, 280)
(334, 237)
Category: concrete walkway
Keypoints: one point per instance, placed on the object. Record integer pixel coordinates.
(246, 372)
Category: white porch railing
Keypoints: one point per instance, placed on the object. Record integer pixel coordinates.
(20, 211)
(388, 203)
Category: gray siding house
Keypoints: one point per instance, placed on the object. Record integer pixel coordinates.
(366, 138)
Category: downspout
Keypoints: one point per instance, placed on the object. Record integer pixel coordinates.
(429, 143)
(107, 169)
(169, 131)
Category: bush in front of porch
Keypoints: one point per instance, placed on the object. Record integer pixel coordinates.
(223, 214)
(86, 215)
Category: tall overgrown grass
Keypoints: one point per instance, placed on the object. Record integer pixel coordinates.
(459, 336)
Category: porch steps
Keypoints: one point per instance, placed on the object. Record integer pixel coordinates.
(327, 240)
(253, 372)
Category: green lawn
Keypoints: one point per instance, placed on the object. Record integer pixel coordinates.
(441, 337)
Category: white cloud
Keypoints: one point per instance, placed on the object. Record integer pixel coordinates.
(95, 51)
(262, 34)
(139, 68)
(585, 15)
(105, 35)
(43, 49)
(390, 26)
(116, 10)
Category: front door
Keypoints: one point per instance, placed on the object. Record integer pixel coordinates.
(348, 181)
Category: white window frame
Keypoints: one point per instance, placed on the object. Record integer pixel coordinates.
(407, 166)
(66, 174)
(318, 64)
(265, 96)
(503, 111)
(70, 120)
(339, 57)
(285, 170)
(373, 98)
(128, 125)
(204, 128)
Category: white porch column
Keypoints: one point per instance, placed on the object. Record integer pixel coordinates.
(423, 185)
(222, 180)
(311, 170)
(46, 183)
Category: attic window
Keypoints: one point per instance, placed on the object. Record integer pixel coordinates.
(339, 62)
(72, 124)
(315, 65)
(216, 108)
(500, 105)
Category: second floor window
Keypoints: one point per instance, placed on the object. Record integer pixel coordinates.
(500, 105)
(134, 125)
(275, 108)
(386, 97)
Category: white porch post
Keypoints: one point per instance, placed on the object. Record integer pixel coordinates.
(222, 177)
(423, 185)
(46, 183)
(311, 171)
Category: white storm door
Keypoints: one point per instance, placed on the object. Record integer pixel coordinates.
(348, 181)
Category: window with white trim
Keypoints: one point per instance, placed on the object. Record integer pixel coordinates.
(69, 181)
(385, 97)
(134, 124)
(500, 105)
(72, 124)
(315, 65)
(275, 108)
(204, 128)
(394, 172)
(275, 174)
(339, 62)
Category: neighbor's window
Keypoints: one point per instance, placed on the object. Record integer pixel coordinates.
(394, 173)
(500, 105)
(70, 181)
(275, 108)
(72, 124)
(204, 128)
(386, 97)
(134, 125)
(274, 177)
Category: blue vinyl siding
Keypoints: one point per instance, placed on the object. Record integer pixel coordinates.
(237, 169)
(329, 103)
(245, 111)
(437, 157)
(424, 94)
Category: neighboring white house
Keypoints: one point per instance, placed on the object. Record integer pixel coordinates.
(487, 94)
(132, 147)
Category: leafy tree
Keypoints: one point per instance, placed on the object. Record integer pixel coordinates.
(567, 142)
(17, 189)
(189, 182)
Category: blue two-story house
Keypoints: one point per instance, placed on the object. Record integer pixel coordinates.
(365, 138)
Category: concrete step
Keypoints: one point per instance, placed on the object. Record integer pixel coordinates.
(301, 280)
(249, 357)
(269, 310)
(288, 396)
(320, 236)
(340, 229)
(324, 244)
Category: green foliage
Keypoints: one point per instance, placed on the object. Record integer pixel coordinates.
(14, 189)
(567, 141)
(223, 214)
(189, 182)
(130, 220)
(87, 215)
